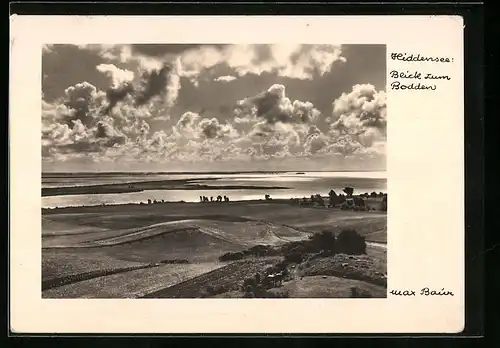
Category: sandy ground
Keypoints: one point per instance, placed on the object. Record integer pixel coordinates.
(115, 238)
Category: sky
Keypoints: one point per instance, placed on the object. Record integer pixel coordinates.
(213, 107)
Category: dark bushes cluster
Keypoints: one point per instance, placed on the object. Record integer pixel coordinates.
(360, 293)
(325, 243)
(232, 256)
(350, 242)
(258, 286)
(174, 261)
(214, 290)
(257, 251)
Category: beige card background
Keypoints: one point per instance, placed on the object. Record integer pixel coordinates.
(425, 181)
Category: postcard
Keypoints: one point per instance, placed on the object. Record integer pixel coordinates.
(231, 174)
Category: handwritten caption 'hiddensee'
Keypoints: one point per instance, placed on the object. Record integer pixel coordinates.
(426, 80)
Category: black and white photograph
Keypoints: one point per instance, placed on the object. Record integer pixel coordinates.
(230, 174)
(214, 171)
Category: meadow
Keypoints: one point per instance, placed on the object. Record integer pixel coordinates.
(174, 249)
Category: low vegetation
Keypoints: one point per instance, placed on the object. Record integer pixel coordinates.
(300, 254)
(257, 251)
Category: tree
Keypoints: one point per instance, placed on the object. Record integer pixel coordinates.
(384, 203)
(319, 200)
(348, 191)
(373, 194)
(350, 242)
(332, 198)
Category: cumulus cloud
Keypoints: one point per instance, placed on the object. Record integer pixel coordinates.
(117, 75)
(361, 113)
(294, 61)
(82, 102)
(117, 94)
(273, 106)
(153, 83)
(226, 78)
(297, 61)
(115, 124)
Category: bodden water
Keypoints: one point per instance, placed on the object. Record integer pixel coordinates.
(299, 185)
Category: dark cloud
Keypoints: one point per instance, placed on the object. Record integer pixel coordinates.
(273, 106)
(153, 83)
(108, 136)
(267, 106)
(160, 50)
(211, 128)
(116, 94)
(263, 53)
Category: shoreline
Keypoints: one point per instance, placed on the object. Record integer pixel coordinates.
(145, 173)
(188, 184)
(143, 205)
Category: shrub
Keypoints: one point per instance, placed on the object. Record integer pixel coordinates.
(210, 290)
(324, 240)
(232, 256)
(249, 295)
(293, 257)
(278, 294)
(348, 190)
(345, 206)
(383, 205)
(318, 200)
(360, 293)
(350, 242)
(262, 250)
(249, 283)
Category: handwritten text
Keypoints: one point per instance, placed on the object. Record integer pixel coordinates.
(422, 292)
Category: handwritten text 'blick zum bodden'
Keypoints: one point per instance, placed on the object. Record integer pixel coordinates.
(427, 80)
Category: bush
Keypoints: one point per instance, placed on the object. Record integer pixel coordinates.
(232, 256)
(249, 295)
(360, 293)
(323, 241)
(383, 205)
(277, 294)
(293, 257)
(262, 250)
(351, 242)
(345, 206)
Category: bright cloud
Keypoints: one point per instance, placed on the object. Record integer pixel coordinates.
(134, 119)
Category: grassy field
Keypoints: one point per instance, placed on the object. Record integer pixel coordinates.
(112, 250)
(131, 284)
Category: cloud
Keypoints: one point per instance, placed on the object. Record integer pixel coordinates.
(118, 76)
(115, 125)
(287, 60)
(273, 106)
(293, 61)
(226, 78)
(153, 83)
(117, 94)
(212, 129)
(82, 102)
(361, 113)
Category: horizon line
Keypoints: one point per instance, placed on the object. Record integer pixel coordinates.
(204, 172)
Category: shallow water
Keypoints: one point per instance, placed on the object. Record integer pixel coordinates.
(299, 185)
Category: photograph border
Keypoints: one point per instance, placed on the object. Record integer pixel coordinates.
(474, 120)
